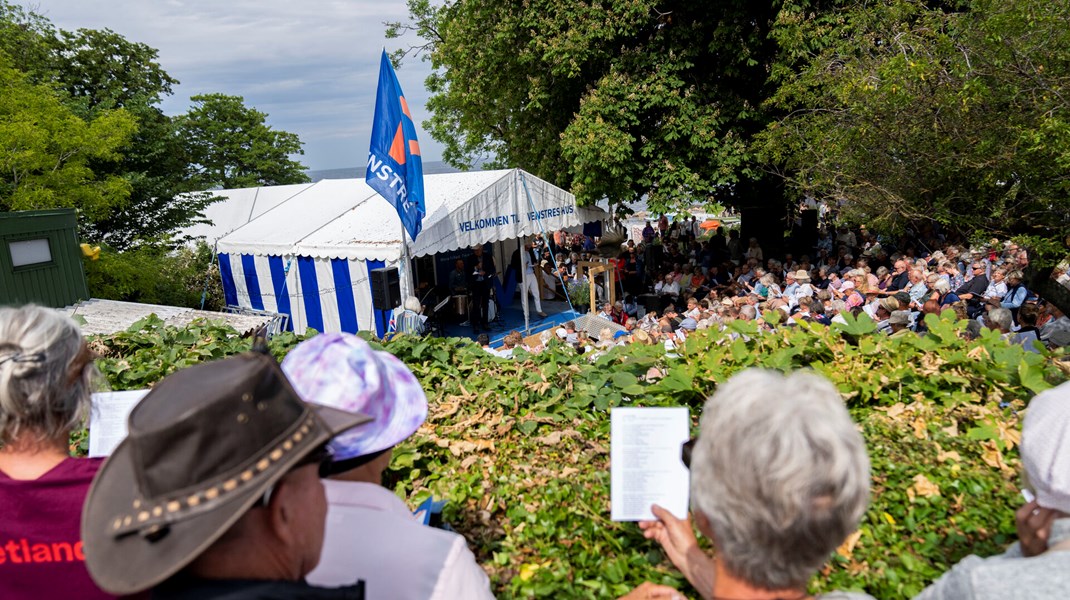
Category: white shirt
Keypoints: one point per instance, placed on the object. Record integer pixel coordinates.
(371, 535)
(996, 290)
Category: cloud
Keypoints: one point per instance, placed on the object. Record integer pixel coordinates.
(312, 66)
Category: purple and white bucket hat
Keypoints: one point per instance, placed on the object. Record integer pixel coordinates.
(342, 371)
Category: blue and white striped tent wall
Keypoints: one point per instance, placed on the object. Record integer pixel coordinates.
(325, 294)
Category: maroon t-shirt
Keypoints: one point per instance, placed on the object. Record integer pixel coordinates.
(40, 544)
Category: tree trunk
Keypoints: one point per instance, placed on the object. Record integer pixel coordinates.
(1040, 281)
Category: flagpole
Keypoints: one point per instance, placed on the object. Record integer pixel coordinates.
(403, 266)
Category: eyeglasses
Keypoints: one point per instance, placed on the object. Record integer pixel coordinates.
(321, 457)
(685, 451)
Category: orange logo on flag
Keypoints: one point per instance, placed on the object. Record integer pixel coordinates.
(397, 147)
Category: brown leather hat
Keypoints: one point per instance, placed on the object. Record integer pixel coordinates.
(203, 446)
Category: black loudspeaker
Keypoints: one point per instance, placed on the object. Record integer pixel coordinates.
(386, 289)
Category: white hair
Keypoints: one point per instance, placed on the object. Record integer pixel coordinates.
(1000, 317)
(413, 303)
(46, 375)
(781, 473)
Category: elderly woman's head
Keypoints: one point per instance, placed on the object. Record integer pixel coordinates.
(780, 475)
(46, 377)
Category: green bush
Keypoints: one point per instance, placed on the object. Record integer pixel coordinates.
(519, 446)
(155, 274)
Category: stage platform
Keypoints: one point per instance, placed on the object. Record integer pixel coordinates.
(512, 318)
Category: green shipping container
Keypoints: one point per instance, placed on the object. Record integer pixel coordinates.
(40, 258)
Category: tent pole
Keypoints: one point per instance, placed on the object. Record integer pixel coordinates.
(538, 219)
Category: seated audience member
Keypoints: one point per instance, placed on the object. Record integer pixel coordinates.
(571, 335)
(458, 281)
(899, 323)
(46, 375)
(606, 312)
(997, 288)
(605, 338)
(371, 534)
(943, 294)
(771, 529)
(1000, 320)
(215, 491)
(1055, 332)
(409, 320)
(1027, 335)
(1035, 567)
(974, 289)
(1016, 293)
(510, 342)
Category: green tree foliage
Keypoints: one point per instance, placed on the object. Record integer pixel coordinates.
(21, 38)
(102, 69)
(520, 447)
(154, 274)
(919, 113)
(94, 72)
(232, 146)
(46, 150)
(99, 70)
(616, 99)
(955, 114)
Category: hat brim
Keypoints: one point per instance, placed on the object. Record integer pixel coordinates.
(133, 563)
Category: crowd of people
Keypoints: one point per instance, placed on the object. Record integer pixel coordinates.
(676, 281)
(243, 478)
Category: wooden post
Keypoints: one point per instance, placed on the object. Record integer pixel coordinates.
(595, 268)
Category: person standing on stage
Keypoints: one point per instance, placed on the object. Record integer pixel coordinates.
(480, 271)
(530, 283)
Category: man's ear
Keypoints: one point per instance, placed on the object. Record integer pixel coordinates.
(281, 511)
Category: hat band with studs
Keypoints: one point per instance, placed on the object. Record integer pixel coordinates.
(150, 518)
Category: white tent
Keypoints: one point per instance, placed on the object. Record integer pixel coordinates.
(335, 231)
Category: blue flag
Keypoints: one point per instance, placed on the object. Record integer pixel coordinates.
(395, 168)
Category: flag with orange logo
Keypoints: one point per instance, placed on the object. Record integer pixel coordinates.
(395, 169)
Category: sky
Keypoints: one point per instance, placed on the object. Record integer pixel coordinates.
(311, 65)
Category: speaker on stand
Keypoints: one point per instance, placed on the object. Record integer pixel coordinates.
(386, 289)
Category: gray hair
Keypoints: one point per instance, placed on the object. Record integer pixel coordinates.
(748, 312)
(46, 375)
(781, 473)
(1000, 317)
(941, 285)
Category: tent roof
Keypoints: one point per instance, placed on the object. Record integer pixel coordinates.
(239, 206)
(345, 218)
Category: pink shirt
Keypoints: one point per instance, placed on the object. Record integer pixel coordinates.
(41, 553)
(371, 535)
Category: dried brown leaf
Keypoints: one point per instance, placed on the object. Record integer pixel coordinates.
(847, 547)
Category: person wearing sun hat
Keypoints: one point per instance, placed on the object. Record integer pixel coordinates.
(1038, 565)
(215, 491)
(371, 534)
